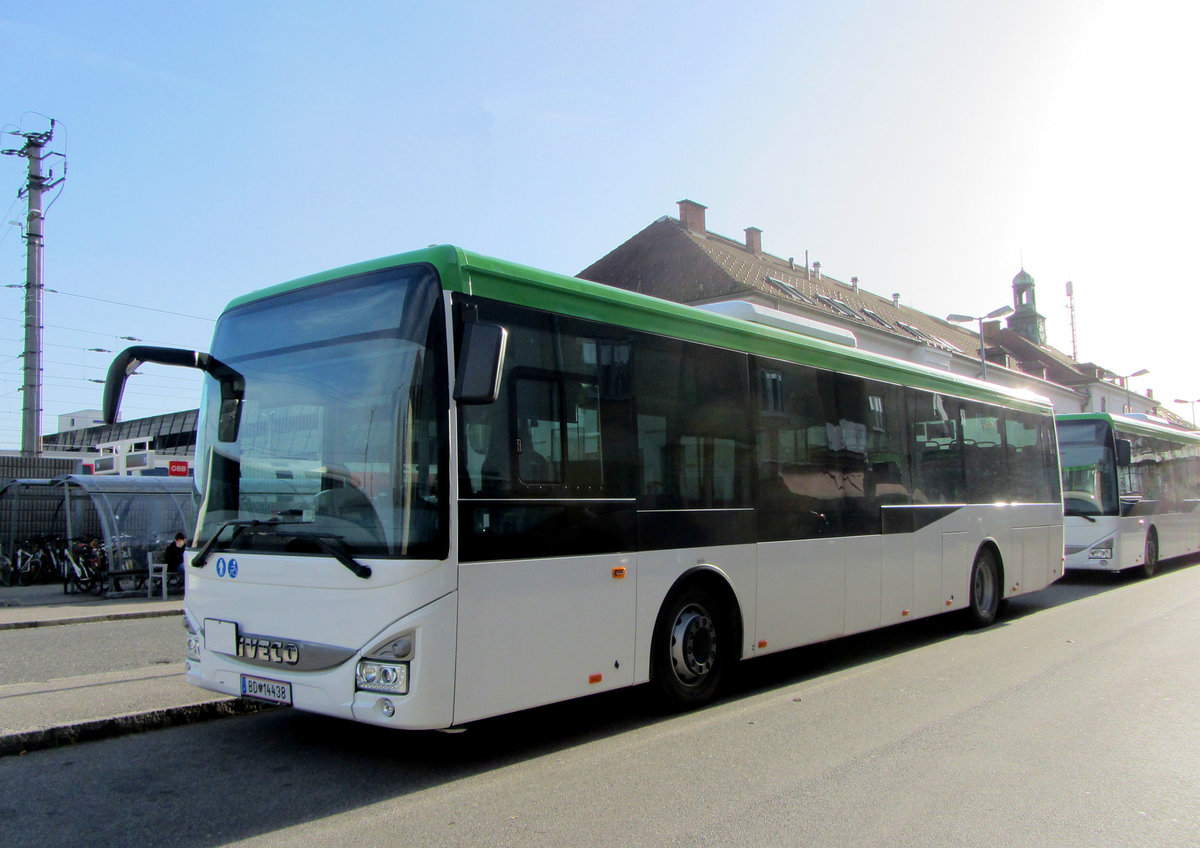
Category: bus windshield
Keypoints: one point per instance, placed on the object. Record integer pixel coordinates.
(1089, 471)
(339, 437)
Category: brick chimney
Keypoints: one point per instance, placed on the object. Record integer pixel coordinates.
(691, 215)
(754, 240)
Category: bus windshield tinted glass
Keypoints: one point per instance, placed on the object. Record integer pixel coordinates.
(1089, 470)
(340, 432)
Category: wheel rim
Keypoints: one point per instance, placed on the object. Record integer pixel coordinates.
(984, 586)
(693, 644)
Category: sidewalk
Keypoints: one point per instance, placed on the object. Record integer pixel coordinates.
(66, 710)
(46, 605)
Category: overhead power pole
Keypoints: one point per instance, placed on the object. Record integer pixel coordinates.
(37, 184)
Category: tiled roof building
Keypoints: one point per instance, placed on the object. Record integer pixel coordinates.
(679, 259)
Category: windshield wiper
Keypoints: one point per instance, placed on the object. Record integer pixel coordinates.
(1083, 515)
(322, 540)
(338, 551)
(241, 526)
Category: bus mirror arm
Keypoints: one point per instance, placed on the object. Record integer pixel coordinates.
(233, 384)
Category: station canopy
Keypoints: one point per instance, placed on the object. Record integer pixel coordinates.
(131, 515)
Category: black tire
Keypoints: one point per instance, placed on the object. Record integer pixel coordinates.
(693, 645)
(985, 589)
(30, 573)
(81, 584)
(1150, 563)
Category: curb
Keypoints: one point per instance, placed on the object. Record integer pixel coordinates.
(87, 619)
(17, 744)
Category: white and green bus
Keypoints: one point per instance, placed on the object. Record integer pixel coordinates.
(1131, 488)
(438, 487)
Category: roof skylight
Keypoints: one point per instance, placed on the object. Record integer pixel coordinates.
(791, 290)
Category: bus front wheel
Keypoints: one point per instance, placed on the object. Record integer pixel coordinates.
(692, 640)
(1150, 563)
(985, 588)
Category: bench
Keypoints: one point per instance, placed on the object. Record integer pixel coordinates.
(156, 568)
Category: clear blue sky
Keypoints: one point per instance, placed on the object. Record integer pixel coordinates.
(930, 148)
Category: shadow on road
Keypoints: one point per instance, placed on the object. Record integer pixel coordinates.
(215, 783)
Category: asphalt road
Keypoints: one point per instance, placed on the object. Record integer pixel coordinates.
(45, 653)
(1073, 722)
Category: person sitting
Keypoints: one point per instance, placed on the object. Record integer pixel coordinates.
(173, 555)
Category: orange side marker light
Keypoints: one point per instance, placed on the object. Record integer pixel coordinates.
(595, 678)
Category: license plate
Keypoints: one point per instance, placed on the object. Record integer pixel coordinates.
(275, 691)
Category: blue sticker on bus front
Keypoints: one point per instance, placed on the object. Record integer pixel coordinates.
(233, 568)
(221, 566)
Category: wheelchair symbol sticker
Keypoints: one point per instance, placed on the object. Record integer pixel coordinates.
(230, 567)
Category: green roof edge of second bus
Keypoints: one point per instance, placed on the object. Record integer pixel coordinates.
(1145, 428)
(485, 276)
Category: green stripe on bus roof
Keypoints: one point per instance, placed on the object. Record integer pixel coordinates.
(1135, 425)
(485, 276)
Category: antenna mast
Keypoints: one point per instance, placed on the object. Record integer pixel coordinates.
(1071, 310)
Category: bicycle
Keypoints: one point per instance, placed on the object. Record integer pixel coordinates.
(80, 575)
(28, 566)
(54, 560)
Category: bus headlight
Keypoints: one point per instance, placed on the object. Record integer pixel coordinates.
(376, 676)
(193, 641)
(385, 667)
(1102, 550)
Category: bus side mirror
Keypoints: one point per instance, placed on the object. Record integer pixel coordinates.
(230, 418)
(480, 362)
(1124, 453)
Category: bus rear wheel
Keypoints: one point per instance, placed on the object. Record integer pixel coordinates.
(691, 647)
(985, 588)
(1150, 563)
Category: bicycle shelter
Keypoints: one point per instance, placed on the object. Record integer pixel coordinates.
(132, 516)
(30, 507)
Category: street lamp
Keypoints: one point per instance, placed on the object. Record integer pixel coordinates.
(966, 319)
(1191, 403)
(1125, 381)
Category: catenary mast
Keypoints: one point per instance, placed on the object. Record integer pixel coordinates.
(36, 185)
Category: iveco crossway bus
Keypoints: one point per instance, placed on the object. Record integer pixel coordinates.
(437, 487)
(1130, 492)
